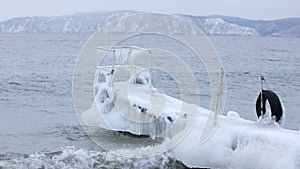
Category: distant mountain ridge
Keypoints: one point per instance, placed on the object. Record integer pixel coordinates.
(85, 23)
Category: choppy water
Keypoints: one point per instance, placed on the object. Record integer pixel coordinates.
(38, 125)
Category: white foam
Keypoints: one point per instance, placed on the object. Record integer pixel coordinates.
(71, 157)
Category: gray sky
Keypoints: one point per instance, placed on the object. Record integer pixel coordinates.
(251, 9)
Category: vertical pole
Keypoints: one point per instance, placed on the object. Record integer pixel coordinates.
(261, 95)
(113, 60)
(149, 66)
(113, 67)
(220, 92)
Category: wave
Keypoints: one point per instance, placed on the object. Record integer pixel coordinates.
(72, 157)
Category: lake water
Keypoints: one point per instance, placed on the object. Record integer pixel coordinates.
(39, 127)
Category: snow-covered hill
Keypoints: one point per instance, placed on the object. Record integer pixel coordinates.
(85, 23)
(218, 26)
(77, 23)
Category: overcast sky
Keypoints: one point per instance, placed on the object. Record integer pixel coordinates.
(251, 9)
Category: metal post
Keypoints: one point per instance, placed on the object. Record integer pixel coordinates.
(220, 92)
(113, 60)
(149, 67)
(262, 78)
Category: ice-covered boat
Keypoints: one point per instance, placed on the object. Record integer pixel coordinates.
(125, 100)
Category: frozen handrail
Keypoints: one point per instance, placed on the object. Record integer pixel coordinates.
(119, 55)
(123, 47)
